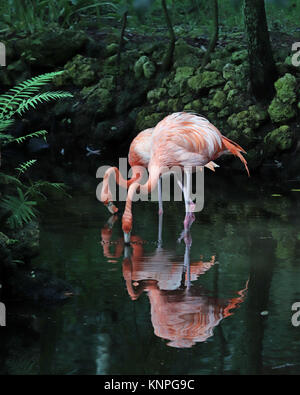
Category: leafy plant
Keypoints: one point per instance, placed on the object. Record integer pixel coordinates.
(14, 103)
(20, 207)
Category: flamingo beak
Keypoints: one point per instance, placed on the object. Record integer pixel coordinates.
(127, 237)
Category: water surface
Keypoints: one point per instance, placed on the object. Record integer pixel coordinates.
(218, 302)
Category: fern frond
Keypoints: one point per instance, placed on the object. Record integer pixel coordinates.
(36, 189)
(21, 209)
(10, 101)
(25, 166)
(6, 137)
(41, 98)
(19, 140)
(7, 179)
(6, 124)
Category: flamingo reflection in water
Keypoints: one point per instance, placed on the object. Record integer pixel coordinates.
(182, 314)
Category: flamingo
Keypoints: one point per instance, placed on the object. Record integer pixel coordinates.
(138, 158)
(184, 140)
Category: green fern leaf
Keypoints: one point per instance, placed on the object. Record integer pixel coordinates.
(25, 166)
(21, 209)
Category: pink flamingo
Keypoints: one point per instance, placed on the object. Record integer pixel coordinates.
(138, 158)
(184, 140)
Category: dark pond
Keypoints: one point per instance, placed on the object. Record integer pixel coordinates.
(144, 310)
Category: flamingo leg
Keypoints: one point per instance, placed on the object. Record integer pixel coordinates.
(186, 274)
(189, 204)
(160, 203)
(160, 225)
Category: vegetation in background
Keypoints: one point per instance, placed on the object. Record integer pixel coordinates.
(18, 205)
(144, 15)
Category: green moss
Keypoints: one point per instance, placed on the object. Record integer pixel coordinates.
(239, 56)
(251, 118)
(155, 95)
(219, 100)
(149, 69)
(286, 88)
(281, 112)
(145, 120)
(205, 80)
(280, 139)
(80, 71)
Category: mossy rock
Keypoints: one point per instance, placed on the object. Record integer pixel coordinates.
(149, 69)
(174, 105)
(174, 90)
(281, 112)
(80, 71)
(215, 65)
(239, 57)
(252, 118)
(148, 121)
(186, 55)
(286, 88)
(184, 73)
(280, 139)
(205, 80)
(155, 95)
(194, 106)
(138, 66)
(219, 100)
(98, 99)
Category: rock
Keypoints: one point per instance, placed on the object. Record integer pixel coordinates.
(219, 100)
(174, 105)
(252, 118)
(282, 106)
(155, 95)
(80, 71)
(281, 112)
(148, 121)
(286, 88)
(184, 73)
(239, 57)
(194, 106)
(229, 71)
(229, 86)
(280, 139)
(174, 90)
(186, 55)
(215, 65)
(98, 99)
(205, 80)
(144, 67)
(138, 66)
(149, 69)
